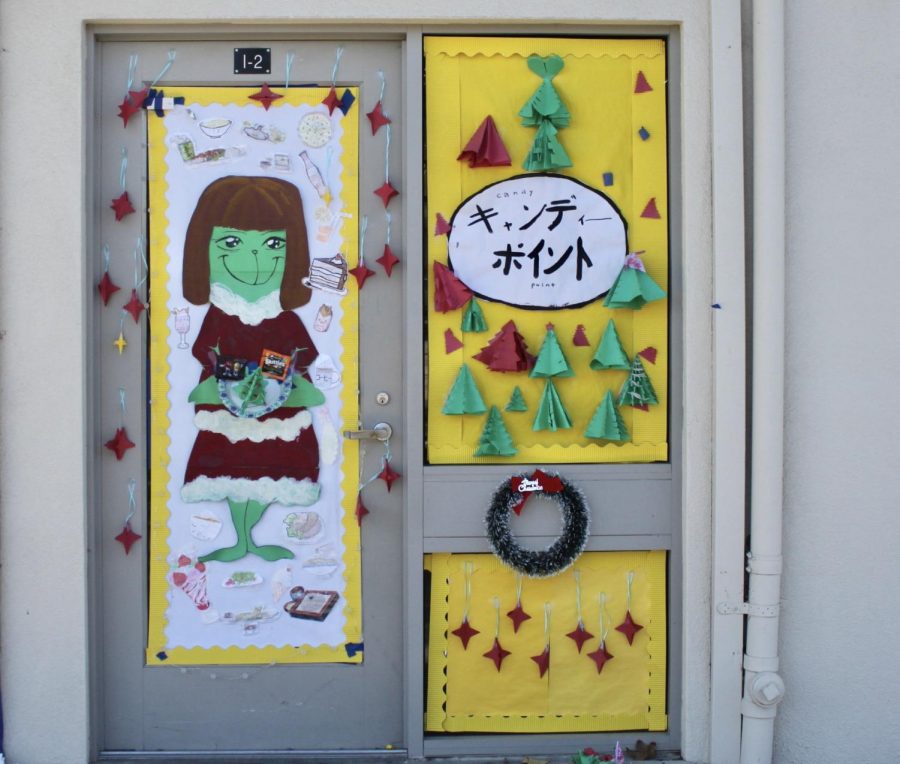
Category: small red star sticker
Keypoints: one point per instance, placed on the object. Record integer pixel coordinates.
(628, 627)
(265, 96)
(386, 192)
(331, 100)
(388, 475)
(600, 656)
(135, 306)
(361, 273)
(106, 287)
(497, 653)
(377, 118)
(128, 108)
(518, 616)
(119, 443)
(543, 660)
(361, 509)
(128, 537)
(580, 635)
(139, 96)
(465, 632)
(388, 260)
(122, 205)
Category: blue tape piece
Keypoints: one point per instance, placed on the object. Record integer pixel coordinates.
(353, 648)
(154, 101)
(162, 655)
(644, 133)
(607, 179)
(716, 306)
(347, 100)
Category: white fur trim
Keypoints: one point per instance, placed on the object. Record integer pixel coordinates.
(328, 441)
(236, 428)
(265, 490)
(251, 313)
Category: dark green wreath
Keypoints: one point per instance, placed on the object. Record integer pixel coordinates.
(561, 553)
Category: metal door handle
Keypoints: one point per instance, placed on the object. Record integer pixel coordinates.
(381, 432)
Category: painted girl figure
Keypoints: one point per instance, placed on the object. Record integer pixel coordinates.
(245, 253)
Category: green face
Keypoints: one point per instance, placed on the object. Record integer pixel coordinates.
(249, 263)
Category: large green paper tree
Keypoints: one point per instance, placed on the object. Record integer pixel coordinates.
(610, 353)
(464, 397)
(551, 414)
(551, 361)
(607, 424)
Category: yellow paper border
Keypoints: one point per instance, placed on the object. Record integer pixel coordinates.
(470, 77)
(446, 568)
(159, 409)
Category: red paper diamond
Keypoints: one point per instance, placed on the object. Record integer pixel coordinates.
(640, 84)
(465, 632)
(441, 226)
(628, 627)
(388, 475)
(649, 354)
(377, 118)
(128, 108)
(122, 205)
(580, 338)
(451, 343)
(127, 538)
(361, 273)
(265, 96)
(107, 288)
(331, 100)
(600, 656)
(361, 510)
(388, 260)
(120, 443)
(650, 210)
(543, 660)
(135, 306)
(497, 653)
(386, 192)
(580, 635)
(518, 616)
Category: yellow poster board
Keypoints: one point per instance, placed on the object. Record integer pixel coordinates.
(615, 92)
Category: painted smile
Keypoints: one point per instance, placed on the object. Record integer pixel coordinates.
(258, 281)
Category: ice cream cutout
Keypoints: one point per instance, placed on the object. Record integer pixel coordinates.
(328, 274)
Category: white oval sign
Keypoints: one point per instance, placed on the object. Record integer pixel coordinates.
(538, 241)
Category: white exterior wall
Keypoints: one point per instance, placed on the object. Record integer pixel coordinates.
(841, 610)
(44, 618)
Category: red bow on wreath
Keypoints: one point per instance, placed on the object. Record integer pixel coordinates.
(538, 482)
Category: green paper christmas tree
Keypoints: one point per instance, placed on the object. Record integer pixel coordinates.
(252, 389)
(546, 111)
(473, 318)
(551, 414)
(637, 390)
(464, 397)
(633, 287)
(551, 362)
(607, 424)
(495, 440)
(610, 353)
(516, 401)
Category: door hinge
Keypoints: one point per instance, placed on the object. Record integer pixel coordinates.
(747, 608)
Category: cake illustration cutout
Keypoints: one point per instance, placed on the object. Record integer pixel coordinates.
(328, 274)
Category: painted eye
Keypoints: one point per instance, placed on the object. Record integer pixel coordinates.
(274, 242)
(229, 242)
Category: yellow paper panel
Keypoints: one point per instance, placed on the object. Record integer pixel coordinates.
(469, 78)
(467, 693)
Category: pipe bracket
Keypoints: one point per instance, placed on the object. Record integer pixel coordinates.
(764, 565)
(748, 608)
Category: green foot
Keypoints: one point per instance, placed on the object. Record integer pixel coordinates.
(270, 553)
(229, 554)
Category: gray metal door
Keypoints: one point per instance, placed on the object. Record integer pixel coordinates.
(142, 707)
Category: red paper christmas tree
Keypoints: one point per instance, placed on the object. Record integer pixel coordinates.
(449, 292)
(506, 351)
(485, 148)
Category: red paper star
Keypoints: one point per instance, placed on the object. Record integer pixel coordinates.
(543, 660)
(122, 205)
(139, 96)
(580, 635)
(331, 100)
(497, 653)
(441, 226)
(265, 96)
(127, 538)
(649, 354)
(388, 475)
(377, 118)
(361, 273)
(107, 288)
(628, 627)
(135, 306)
(386, 192)
(119, 443)
(128, 108)
(518, 616)
(388, 260)
(465, 632)
(361, 509)
(451, 343)
(600, 656)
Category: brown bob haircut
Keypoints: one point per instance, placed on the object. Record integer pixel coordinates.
(249, 204)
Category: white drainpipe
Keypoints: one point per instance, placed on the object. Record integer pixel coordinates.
(763, 687)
